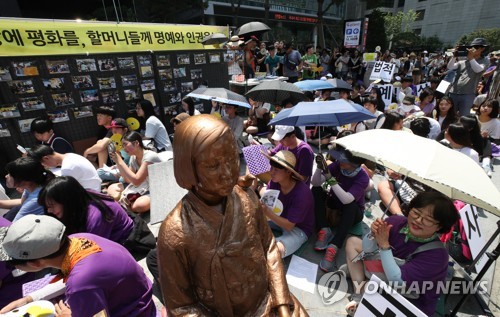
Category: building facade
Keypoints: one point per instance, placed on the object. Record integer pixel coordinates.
(450, 19)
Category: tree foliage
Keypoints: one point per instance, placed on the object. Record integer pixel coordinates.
(492, 37)
(376, 31)
(399, 23)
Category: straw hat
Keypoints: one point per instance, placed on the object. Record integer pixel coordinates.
(287, 160)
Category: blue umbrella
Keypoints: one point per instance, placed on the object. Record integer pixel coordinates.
(322, 113)
(313, 84)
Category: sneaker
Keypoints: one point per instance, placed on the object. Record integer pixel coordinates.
(327, 264)
(325, 235)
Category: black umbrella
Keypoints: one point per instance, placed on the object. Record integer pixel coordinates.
(252, 28)
(339, 84)
(214, 38)
(275, 91)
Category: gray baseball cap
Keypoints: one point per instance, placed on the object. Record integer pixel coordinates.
(31, 237)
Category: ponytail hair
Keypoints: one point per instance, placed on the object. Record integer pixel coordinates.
(29, 169)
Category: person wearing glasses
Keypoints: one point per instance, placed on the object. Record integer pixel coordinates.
(428, 214)
(468, 74)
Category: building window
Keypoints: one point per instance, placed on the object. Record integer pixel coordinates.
(421, 14)
(380, 4)
(417, 31)
(401, 3)
(421, 0)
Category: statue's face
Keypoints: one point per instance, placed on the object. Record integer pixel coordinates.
(217, 169)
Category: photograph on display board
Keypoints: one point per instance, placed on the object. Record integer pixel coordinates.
(4, 130)
(146, 71)
(107, 83)
(82, 81)
(32, 103)
(22, 69)
(174, 97)
(187, 87)
(57, 67)
(89, 95)
(214, 58)
(163, 60)
(183, 59)
(150, 97)
(144, 60)
(148, 84)
(129, 80)
(228, 56)
(110, 96)
(52, 84)
(9, 111)
(63, 99)
(106, 64)
(21, 87)
(165, 74)
(180, 72)
(5, 74)
(86, 65)
(130, 94)
(126, 62)
(196, 73)
(82, 112)
(170, 110)
(25, 125)
(169, 86)
(200, 58)
(58, 116)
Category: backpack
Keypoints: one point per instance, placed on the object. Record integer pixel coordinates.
(366, 127)
(456, 239)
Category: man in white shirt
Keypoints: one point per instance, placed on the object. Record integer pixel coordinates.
(235, 122)
(71, 164)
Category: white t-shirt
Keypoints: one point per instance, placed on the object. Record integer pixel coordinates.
(492, 127)
(470, 153)
(82, 170)
(406, 110)
(156, 130)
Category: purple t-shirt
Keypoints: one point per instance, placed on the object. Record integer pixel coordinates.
(355, 185)
(11, 288)
(305, 159)
(298, 206)
(430, 265)
(117, 229)
(109, 280)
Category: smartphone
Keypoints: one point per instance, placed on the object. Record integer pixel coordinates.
(21, 149)
(111, 147)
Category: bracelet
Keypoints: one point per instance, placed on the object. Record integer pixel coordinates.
(331, 181)
(385, 249)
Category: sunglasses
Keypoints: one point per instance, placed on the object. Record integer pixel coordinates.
(276, 165)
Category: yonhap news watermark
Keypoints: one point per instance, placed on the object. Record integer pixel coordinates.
(333, 287)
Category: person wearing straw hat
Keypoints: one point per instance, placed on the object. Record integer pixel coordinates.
(296, 221)
(233, 56)
(346, 182)
(95, 283)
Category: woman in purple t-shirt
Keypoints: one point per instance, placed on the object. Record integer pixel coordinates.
(296, 220)
(429, 214)
(85, 211)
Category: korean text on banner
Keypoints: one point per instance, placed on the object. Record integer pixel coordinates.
(383, 70)
(42, 37)
(352, 33)
(386, 92)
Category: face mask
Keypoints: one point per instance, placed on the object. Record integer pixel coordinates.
(350, 173)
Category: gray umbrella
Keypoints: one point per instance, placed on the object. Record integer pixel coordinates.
(339, 84)
(275, 91)
(252, 28)
(221, 95)
(214, 38)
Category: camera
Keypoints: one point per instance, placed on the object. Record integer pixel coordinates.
(461, 51)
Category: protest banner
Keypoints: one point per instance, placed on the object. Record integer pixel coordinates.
(31, 37)
(383, 71)
(475, 238)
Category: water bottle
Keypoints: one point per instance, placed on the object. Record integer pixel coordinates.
(369, 210)
(451, 271)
